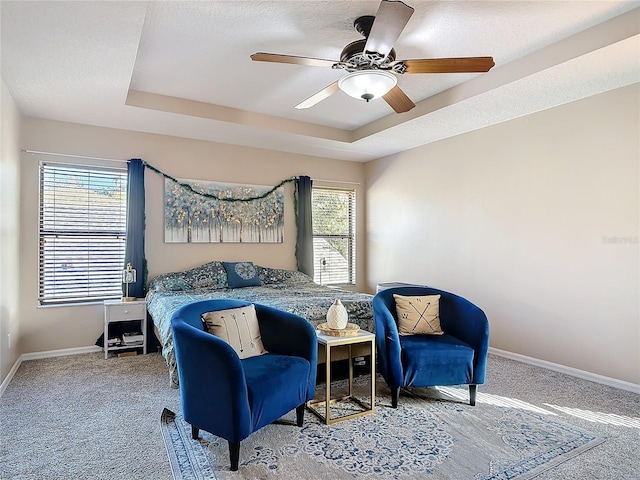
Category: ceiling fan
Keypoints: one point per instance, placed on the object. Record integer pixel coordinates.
(371, 62)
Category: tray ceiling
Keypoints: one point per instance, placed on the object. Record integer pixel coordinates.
(183, 68)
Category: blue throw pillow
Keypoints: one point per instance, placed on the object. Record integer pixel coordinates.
(241, 274)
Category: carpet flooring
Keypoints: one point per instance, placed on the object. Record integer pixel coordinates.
(84, 417)
(432, 434)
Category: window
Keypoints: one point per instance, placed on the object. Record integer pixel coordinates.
(81, 232)
(334, 236)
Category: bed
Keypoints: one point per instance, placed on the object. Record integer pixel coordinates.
(287, 290)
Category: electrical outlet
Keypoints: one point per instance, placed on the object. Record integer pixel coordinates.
(9, 341)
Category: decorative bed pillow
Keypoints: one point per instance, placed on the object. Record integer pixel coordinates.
(238, 327)
(175, 283)
(211, 275)
(418, 315)
(241, 274)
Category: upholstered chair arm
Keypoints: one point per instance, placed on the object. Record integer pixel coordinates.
(286, 333)
(212, 383)
(388, 348)
(289, 334)
(467, 322)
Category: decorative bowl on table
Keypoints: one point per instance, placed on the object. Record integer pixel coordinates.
(349, 331)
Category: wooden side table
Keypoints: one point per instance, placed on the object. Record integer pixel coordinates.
(119, 311)
(329, 343)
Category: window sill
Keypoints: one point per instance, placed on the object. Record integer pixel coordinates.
(76, 304)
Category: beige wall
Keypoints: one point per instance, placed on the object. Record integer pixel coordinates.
(535, 220)
(9, 232)
(65, 327)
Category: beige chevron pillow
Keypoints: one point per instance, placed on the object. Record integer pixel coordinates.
(418, 315)
(238, 327)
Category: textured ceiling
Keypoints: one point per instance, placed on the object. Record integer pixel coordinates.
(183, 68)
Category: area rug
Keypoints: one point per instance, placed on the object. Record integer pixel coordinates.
(432, 435)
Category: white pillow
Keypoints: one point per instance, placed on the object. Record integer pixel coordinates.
(238, 327)
(418, 315)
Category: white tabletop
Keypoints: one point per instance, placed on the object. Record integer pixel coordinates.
(119, 301)
(361, 336)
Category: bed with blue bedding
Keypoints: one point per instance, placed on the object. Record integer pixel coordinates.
(287, 290)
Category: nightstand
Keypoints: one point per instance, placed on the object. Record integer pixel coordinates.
(119, 311)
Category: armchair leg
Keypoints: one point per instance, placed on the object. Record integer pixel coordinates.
(395, 395)
(473, 389)
(234, 455)
(194, 432)
(300, 415)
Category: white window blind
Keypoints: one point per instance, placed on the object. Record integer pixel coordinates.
(82, 232)
(334, 234)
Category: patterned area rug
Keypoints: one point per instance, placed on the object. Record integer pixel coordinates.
(432, 434)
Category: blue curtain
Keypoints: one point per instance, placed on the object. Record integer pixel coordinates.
(304, 241)
(134, 248)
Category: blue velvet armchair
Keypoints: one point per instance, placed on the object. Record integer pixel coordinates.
(230, 397)
(459, 357)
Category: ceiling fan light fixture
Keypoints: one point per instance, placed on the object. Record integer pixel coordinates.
(367, 84)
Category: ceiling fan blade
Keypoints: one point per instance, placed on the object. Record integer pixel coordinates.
(319, 96)
(389, 22)
(448, 65)
(277, 58)
(398, 100)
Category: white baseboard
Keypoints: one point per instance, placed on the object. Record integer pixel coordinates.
(60, 353)
(556, 367)
(48, 354)
(12, 372)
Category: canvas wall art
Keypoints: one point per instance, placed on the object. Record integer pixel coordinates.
(191, 217)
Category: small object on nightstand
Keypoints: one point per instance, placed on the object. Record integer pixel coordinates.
(132, 338)
(128, 276)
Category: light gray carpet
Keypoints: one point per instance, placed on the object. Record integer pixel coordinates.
(432, 434)
(84, 417)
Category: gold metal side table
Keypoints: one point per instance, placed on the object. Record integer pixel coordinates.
(330, 342)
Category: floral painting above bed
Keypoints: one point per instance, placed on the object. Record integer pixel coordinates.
(190, 217)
